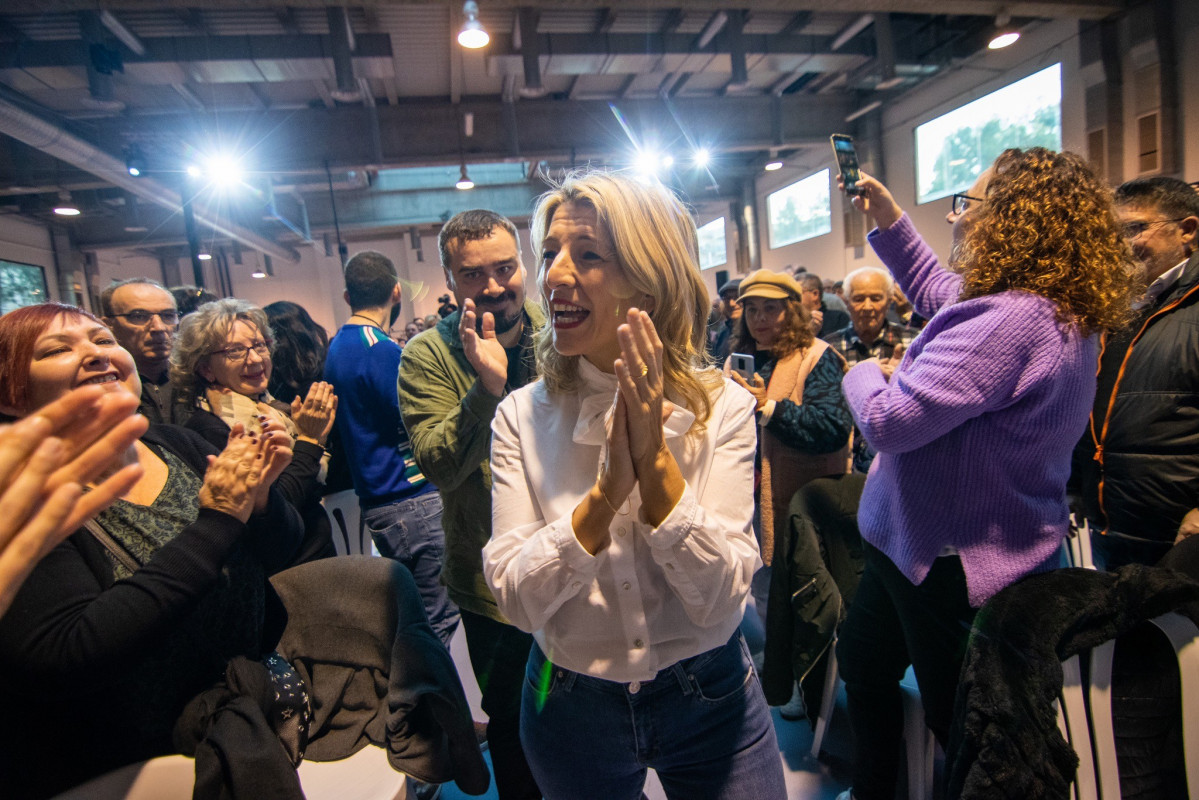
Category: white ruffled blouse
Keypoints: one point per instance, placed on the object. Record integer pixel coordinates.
(654, 596)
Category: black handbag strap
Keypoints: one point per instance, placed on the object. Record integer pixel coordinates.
(111, 545)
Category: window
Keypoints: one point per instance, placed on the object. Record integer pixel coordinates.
(712, 249)
(20, 285)
(953, 149)
(800, 211)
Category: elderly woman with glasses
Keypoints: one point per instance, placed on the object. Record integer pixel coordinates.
(974, 426)
(622, 531)
(222, 364)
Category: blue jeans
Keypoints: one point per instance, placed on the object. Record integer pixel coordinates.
(410, 532)
(702, 724)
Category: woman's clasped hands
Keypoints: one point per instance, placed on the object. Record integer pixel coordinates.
(636, 451)
(238, 480)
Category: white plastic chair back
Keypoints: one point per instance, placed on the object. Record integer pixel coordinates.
(1184, 636)
(1074, 724)
(344, 513)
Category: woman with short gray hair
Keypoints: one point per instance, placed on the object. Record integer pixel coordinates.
(222, 363)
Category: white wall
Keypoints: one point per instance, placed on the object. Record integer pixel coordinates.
(27, 242)
(1188, 48)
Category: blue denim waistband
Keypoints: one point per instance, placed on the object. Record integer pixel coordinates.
(677, 675)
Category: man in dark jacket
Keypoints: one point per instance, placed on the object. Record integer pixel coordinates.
(1137, 467)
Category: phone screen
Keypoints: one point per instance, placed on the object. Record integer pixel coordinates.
(743, 365)
(847, 161)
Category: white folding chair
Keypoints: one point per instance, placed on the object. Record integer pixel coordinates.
(1073, 722)
(1078, 544)
(344, 513)
(1184, 636)
(919, 742)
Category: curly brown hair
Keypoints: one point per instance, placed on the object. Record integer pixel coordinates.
(1047, 226)
(796, 333)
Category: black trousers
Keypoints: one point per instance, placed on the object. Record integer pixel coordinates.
(893, 624)
(498, 656)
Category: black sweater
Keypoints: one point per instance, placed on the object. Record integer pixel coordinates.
(94, 671)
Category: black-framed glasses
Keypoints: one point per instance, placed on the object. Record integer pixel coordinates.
(1134, 229)
(139, 316)
(962, 201)
(239, 352)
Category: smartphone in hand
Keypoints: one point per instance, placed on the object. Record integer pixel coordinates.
(743, 365)
(847, 161)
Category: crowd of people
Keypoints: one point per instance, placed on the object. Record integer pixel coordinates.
(586, 484)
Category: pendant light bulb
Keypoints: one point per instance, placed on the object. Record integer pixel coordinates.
(473, 35)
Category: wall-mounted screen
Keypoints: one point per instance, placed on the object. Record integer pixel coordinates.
(20, 285)
(713, 251)
(953, 149)
(800, 211)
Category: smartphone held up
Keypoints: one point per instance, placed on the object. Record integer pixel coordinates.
(847, 161)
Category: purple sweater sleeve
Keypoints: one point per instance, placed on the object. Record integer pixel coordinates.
(977, 356)
(915, 266)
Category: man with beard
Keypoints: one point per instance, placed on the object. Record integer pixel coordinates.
(869, 335)
(452, 378)
(1141, 445)
(400, 508)
(142, 316)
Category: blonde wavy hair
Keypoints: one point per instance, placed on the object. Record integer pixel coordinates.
(1047, 226)
(656, 246)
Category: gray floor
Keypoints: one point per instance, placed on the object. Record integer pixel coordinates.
(807, 778)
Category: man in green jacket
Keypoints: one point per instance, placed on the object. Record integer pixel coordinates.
(452, 378)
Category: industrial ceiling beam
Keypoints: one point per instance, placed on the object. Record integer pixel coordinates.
(51, 139)
(1053, 9)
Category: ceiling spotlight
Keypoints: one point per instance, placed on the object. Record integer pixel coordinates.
(257, 273)
(65, 208)
(648, 162)
(1005, 35)
(223, 170)
(701, 158)
(194, 171)
(472, 35)
(667, 162)
(135, 161)
(464, 182)
(772, 165)
(204, 255)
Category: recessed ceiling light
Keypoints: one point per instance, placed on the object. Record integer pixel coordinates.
(771, 166)
(1003, 40)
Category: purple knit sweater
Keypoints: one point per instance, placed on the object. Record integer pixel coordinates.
(975, 429)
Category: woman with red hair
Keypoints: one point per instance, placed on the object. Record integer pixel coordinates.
(131, 616)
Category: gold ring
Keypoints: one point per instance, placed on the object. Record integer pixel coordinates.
(644, 370)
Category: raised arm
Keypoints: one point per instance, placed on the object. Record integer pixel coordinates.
(909, 258)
